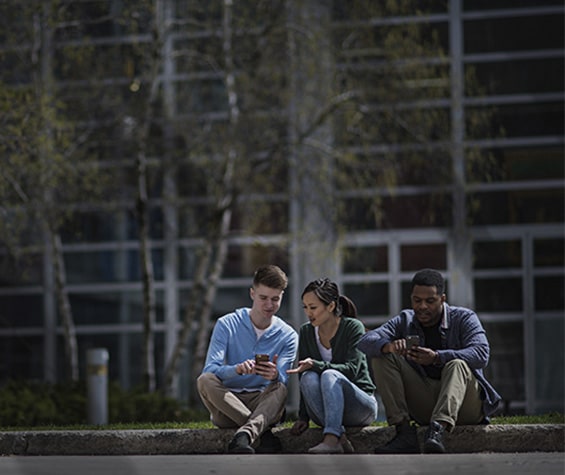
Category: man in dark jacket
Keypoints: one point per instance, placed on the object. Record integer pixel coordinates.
(437, 382)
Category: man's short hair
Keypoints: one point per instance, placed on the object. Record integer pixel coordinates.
(270, 276)
(431, 278)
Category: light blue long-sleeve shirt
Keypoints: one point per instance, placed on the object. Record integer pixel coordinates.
(234, 340)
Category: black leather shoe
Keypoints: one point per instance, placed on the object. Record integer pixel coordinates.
(404, 442)
(433, 443)
(241, 444)
(269, 444)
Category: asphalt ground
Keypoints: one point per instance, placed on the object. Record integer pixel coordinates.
(538, 463)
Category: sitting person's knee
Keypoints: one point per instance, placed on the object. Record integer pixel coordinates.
(204, 380)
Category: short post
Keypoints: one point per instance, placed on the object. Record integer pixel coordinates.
(97, 370)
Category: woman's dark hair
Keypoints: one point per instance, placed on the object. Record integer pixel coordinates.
(328, 292)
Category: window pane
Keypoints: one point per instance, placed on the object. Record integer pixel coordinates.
(365, 259)
(398, 212)
(512, 164)
(25, 270)
(21, 311)
(406, 168)
(109, 266)
(520, 120)
(549, 293)
(505, 370)
(261, 217)
(202, 96)
(496, 254)
(94, 227)
(549, 252)
(21, 358)
(243, 260)
(112, 307)
(474, 5)
(498, 295)
(370, 298)
(517, 207)
(549, 372)
(420, 256)
(543, 75)
(507, 34)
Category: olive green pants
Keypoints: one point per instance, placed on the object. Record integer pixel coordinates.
(407, 394)
(250, 412)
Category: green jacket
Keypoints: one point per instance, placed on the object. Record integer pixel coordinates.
(346, 358)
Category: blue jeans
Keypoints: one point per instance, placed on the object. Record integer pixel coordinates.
(332, 401)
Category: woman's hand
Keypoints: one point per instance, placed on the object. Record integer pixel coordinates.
(303, 365)
(298, 427)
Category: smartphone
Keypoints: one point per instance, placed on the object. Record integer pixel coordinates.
(412, 341)
(261, 357)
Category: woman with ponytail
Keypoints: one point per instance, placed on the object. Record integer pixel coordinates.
(336, 389)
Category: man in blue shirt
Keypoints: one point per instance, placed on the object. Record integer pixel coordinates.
(438, 382)
(239, 391)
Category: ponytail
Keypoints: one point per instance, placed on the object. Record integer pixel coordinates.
(346, 307)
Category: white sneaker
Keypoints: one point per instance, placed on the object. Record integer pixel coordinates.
(322, 448)
(346, 444)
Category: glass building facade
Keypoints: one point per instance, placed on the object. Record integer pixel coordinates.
(497, 195)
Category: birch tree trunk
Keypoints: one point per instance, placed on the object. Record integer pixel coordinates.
(142, 202)
(214, 251)
(65, 311)
(147, 274)
(42, 58)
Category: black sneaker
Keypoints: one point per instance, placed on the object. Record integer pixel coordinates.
(241, 444)
(404, 442)
(269, 444)
(433, 443)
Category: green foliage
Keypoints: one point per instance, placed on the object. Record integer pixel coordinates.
(33, 404)
(550, 418)
(139, 406)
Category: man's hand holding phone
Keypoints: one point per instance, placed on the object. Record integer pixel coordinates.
(419, 354)
(412, 341)
(266, 368)
(261, 358)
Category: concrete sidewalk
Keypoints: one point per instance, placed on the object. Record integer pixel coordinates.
(463, 439)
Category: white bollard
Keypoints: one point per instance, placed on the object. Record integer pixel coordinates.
(97, 370)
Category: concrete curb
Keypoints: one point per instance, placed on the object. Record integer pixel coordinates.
(463, 439)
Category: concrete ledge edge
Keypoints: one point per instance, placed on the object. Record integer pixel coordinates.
(463, 439)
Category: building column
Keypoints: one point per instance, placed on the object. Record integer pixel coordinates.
(459, 251)
(313, 250)
(171, 252)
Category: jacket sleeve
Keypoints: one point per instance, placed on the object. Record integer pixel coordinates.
(469, 342)
(372, 342)
(216, 356)
(287, 356)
